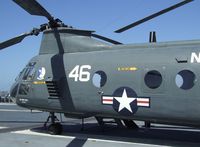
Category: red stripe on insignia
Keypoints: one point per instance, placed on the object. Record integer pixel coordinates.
(147, 102)
(107, 100)
(143, 102)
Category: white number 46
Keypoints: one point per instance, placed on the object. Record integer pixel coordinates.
(80, 73)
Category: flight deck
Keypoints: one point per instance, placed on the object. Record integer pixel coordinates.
(21, 127)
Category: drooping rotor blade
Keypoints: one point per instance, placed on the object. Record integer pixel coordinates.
(18, 39)
(13, 41)
(106, 39)
(34, 8)
(153, 16)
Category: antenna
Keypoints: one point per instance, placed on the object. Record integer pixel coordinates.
(152, 36)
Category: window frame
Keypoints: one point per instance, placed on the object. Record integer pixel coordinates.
(104, 80)
(162, 88)
(149, 83)
(183, 86)
(29, 72)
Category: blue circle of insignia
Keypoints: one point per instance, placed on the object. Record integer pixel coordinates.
(125, 101)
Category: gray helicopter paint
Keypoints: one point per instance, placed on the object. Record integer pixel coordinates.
(70, 40)
(158, 96)
(168, 103)
(155, 82)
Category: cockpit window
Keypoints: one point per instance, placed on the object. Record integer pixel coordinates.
(20, 74)
(24, 89)
(29, 72)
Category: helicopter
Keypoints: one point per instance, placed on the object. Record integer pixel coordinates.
(83, 74)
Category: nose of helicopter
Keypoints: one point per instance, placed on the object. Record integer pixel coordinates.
(13, 91)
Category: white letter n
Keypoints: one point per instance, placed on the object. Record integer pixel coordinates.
(194, 58)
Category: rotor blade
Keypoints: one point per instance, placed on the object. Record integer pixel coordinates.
(153, 16)
(106, 39)
(13, 41)
(34, 8)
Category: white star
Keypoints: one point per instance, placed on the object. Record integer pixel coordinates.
(124, 101)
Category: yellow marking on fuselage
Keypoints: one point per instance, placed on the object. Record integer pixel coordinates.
(127, 68)
(39, 82)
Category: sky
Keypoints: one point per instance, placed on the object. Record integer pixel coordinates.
(102, 16)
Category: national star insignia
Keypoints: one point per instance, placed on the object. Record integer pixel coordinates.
(124, 101)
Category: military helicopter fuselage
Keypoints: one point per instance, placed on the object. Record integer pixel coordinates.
(81, 77)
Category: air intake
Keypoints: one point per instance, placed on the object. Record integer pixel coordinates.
(53, 89)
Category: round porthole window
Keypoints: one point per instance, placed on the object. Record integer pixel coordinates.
(153, 79)
(99, 79)
(185, 79)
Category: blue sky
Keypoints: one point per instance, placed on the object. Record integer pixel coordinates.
(103, 16)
